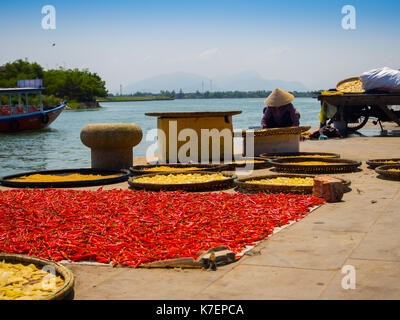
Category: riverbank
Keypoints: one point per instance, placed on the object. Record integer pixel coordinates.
(302, 261)
(73, 105)
(125, 99)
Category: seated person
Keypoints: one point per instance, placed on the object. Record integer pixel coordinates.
(280, 111)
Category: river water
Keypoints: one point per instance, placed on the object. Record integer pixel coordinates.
(59, 146)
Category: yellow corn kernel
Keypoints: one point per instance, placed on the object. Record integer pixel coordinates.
(166, 168)
(58, 178)
(311, 163)
(180, 178)
(285, 181)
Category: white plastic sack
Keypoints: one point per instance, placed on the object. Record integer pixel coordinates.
(381, 79)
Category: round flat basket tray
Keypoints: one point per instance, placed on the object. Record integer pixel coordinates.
(334, 166)
(201, 186)
(349, 80)
(276, 131)
(60, 271)
(261, 163)
(121, 176)
(243, 185)
(299, 155)
(374, 163)
(385, 171)
(178, 167)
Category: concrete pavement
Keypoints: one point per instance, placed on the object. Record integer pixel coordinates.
(303, 261)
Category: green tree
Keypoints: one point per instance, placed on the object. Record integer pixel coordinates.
(19, 70)
(180, 94)
(74, 84)
(69, 84)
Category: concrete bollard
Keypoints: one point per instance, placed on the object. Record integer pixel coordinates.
(111, 144)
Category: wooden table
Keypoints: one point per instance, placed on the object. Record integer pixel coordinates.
(349, 101)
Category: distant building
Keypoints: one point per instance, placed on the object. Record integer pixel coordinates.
(2, 68)
(32, 83)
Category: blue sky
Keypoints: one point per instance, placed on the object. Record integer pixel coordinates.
(127, 41)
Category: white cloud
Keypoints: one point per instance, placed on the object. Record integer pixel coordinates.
(208, 54)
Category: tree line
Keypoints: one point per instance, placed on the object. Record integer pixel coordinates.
(212, 95)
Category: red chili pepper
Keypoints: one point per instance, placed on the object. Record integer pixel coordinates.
(131, 228)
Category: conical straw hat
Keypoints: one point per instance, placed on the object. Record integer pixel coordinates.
(278, 98)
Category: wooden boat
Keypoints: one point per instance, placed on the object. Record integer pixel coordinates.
(26, 117)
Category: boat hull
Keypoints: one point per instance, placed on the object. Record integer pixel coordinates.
(30, 121)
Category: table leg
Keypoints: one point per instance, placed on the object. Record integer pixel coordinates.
(390, 114)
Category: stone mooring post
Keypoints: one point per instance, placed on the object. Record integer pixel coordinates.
(111, 144)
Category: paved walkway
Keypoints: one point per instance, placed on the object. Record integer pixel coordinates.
(303, 261)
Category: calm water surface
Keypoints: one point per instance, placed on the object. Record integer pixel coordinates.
(59, 146)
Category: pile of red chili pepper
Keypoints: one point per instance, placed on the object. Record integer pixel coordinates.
(130, 228)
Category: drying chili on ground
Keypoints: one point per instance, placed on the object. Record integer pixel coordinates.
(130, 228)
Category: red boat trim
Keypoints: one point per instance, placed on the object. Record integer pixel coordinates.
(32, 114)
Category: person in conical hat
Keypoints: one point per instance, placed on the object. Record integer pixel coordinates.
(279, 111)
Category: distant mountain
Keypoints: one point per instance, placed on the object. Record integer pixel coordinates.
(189, 82)
(252, 81)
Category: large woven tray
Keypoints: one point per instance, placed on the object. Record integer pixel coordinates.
(203, 186)
(257, 165)
(297, 154)
(140, 169)
(374, 163)
(384, 171)
(348, 80)
(335, 166)
(60, 270)
(277, 131)
(123, 176)
(269, 188)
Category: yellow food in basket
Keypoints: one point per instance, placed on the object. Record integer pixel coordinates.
(181, 178)
(166, 168)
(311, 163)
(307, 156)
(395, 170)
(285, 181)
(389, 161)
(244, 161)
(20, 282)
(351, 87)
(57, 178)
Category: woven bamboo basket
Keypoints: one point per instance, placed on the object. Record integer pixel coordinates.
(60, 270)
(384, 171)
(256, 165)
(193, 187)
(298, 154)
(277, 131)
(334, 166)
(374, 163)
(270, 188)
(348, 80)
(123, 175)
(140, 169)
